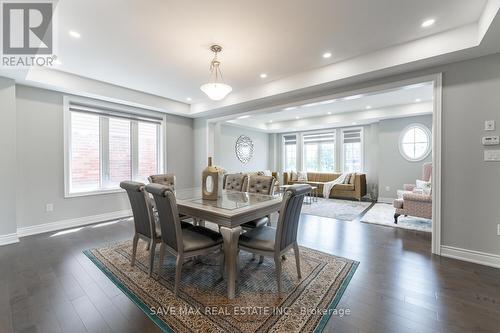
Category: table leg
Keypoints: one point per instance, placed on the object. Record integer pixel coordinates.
(230, 237)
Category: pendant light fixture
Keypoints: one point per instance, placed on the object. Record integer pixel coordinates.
(215, 89)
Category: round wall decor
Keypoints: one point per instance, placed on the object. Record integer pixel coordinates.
(244, 149)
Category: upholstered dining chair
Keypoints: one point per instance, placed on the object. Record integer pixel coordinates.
(144, 222)
(181, 242)
(259, 185)
(234, 181)
(167, 179)
(269, 242)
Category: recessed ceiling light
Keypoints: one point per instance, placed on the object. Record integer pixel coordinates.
(244, 117)
(428, 23)
(74, 34)
(348, 98)
(188, 99)
(263, 75)
(297, 117)
(418, 100)
(354, 123)
(368, 107)
(290, 108)
(270, 121)
(327, 55)
(329, 113)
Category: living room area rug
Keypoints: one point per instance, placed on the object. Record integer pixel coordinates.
(339, 209)
(202, 305)
(383, 214)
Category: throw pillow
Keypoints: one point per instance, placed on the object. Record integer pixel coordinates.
(267, 173)
(421, 184)
(302, 176)
(294, 176)
(347, 178)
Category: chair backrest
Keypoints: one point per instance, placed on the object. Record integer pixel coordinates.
(234, 181)
(168, 215)
(427, 171)
(260, 184)
(141, 208)
(167, 179)
(288, 221)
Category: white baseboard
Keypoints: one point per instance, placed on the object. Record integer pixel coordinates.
(72, 223)
(8, 239)
(386, 200)
(482, 258)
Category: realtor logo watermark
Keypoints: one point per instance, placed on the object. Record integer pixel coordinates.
(28, 33)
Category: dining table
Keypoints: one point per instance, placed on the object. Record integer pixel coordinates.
(229, 212)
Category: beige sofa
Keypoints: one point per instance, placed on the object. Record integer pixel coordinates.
(356, 188)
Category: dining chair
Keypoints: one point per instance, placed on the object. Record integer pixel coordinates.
(235, 181)
(259, 185)
(269, 242)
(181, 242)
(144, 222)
(167, 179)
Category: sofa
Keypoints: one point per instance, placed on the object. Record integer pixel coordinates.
(356, 189)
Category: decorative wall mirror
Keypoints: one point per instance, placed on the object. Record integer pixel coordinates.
(244, 149)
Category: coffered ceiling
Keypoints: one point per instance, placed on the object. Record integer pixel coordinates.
(161, 47)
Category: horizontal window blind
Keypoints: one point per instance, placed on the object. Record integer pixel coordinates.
(351, 136)
(319, 138)
(152, 117)
(290, 139)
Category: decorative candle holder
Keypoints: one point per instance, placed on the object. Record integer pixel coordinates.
(212, 181)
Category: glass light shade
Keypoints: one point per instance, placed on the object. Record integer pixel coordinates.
(216, 91)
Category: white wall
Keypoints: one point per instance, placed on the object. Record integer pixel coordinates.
(226, 156)
(393, 169)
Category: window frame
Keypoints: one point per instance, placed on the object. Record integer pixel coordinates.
(342, 158)
(333, 132)
(283, 151)
(427, 132)
(104, 146)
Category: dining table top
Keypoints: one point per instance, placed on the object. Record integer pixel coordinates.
(232, 208)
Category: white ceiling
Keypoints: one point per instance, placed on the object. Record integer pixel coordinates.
(161, 46)
(312, 114)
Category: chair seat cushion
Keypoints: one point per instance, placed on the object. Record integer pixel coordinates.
(262, 238)
(197, 238)
(256, 223)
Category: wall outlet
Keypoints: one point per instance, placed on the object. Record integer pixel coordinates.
(489, 125)
(49, 207)
(387, 188)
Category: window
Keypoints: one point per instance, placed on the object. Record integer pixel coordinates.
(415, 142)
(105, 147)
(319, 152)
(290, 152)
(352, 150)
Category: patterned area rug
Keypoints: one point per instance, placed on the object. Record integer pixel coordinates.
(336, 209)
(202, 305)
(383, 214)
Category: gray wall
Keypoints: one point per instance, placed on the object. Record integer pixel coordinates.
(226, 156)
(471, 187)
(41, 165)
(393, 169)
(8, 167)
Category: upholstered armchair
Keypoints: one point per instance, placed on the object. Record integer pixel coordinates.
(412, 203)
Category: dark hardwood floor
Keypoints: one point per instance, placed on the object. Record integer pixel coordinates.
(48, 285)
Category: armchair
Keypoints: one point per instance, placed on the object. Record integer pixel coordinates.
(415, 204)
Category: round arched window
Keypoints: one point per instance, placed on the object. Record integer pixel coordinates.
(415, 142)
